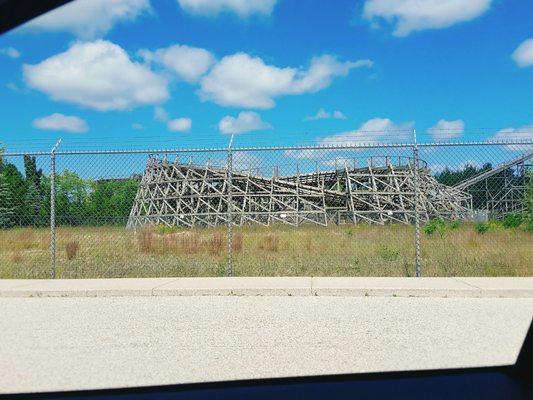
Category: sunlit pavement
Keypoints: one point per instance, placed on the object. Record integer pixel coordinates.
(268, 286)
(82, 342)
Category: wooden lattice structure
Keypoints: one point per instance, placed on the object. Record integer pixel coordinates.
(503, 187)
(185, 194)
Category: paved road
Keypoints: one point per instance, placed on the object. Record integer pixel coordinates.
(75, 343)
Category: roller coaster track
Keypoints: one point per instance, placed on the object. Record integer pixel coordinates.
(487, 174)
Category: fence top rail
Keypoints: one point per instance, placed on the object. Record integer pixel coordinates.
(357, 146)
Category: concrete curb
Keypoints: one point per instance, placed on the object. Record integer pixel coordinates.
(270, 286)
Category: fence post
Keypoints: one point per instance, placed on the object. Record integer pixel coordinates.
(418, 271)
(229, 271)
(53, 209)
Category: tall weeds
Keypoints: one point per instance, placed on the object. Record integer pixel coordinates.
(268, 251)
(71, 248)
(16, 257)
(144, 238)
(270, 242)
(216, 244)
(26, 239)
(236, 245)
(190, 243)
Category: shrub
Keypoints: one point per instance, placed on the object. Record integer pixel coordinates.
(71, 248)
(482, 227)
(435, 225)
(389, 253)
(429, 229)
(453, 225)
(495, 225)
(512, 221)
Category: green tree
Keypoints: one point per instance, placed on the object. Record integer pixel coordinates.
(33, 203)
(110, 201)
(7, 210)
(44, 211)
(33, 174)
(17, 188)
(34, 194)
(489, 188)
(72, 193)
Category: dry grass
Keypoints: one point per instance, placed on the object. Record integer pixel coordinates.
(71, 249)
(236, 244)
(361, 250)
(16, 258)
(191, 242)
(144, 239)
(26, 238)
(269, 242)
(178, 243)
(216, 244)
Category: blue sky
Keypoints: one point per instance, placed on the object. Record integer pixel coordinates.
(172, 73)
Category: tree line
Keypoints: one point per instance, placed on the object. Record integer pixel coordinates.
(25, 197)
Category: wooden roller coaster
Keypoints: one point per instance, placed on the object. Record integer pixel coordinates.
(185, 194)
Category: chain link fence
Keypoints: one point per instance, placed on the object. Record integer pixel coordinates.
(448, 209)
(496, 239)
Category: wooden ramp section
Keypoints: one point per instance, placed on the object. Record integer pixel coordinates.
(178, 194)
(503, 187)
(500, 168)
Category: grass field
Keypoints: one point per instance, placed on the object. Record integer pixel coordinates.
(363, 250)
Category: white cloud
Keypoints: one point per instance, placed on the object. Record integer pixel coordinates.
(243, 8)
(417, 15)
(515, 134)
(523, 55)
(468, 163)
(179, 125)
(376, 130)
(11, 52)
(246, 162)
(60, 122)
(373, 131)
(342, 162)
(137, 126)
(523, 132)
(443, 129)
(89, 18)
(189, 63)
(240, 80)
(338, 115)
(304, 154)
(438, 168)
(160, 114)
(323, 114)
(98, 75)
(12, 86)
(246, 121)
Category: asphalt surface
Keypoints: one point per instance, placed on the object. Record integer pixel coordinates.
(81, 343)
